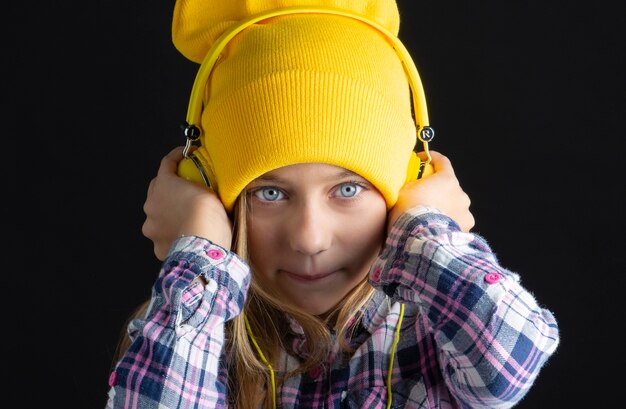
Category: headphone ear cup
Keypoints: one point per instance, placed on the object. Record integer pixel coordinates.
(187, 169)
(426, 169)
(196, 168)
(418, 168)
(413, 170)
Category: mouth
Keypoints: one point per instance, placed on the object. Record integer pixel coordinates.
(305, 277)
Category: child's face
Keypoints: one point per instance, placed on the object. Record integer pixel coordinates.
(314, 229)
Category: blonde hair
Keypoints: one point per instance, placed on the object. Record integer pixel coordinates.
(248, 376)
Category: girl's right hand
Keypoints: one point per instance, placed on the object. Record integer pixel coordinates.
(175, 206)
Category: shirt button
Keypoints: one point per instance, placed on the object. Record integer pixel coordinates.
(376, 275)
(315, 373)
(492, 278)
(113, 379)
(215, 254)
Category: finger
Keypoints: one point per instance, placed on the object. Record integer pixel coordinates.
(440, 162)
(145, 229)
(176, 152)
(468, 223)
(151, 186)
(169, 163)
(159, 253)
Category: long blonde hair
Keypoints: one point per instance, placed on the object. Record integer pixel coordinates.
(248, 376)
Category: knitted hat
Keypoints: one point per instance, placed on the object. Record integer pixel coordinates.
(300, 88)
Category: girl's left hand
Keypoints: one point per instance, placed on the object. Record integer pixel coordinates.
(441, 191)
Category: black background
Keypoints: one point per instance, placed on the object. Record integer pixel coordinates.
(527, 99)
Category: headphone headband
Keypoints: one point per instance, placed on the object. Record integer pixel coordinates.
(192, 129)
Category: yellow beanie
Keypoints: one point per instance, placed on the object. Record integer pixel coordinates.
(300, 88)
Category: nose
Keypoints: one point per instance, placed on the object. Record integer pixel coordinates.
(311, 229)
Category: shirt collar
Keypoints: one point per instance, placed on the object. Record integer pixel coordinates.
(365, 325)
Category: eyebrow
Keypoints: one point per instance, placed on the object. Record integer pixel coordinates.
(345, 173)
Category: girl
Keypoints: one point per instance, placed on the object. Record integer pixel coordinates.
(313, 273)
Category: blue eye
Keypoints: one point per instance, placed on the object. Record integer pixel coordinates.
(349, 189)
(268, 194)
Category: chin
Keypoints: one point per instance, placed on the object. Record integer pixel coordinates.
(319, 309)
(313, 310)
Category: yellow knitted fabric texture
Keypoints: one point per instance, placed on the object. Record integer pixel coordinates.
(300, 88)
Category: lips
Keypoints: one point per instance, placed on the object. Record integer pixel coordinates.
(306, 277)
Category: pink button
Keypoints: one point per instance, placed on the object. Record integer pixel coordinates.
(376, 275)
(113, 379)
(315, 372)
(215, 254)
(492, 278)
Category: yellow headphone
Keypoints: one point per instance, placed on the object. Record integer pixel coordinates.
(191, 167)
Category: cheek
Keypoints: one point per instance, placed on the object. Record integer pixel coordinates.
(262, 243)
(373, 223)
(364, 234)
(372, 231)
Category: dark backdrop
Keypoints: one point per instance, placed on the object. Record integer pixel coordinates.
(527, 99)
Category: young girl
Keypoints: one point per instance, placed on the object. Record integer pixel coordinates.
(313, 273)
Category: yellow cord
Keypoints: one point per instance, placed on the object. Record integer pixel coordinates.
(393, 353)
(258, 349)
(389, 372)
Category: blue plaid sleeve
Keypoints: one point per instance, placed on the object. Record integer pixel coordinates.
(492, 336)
(176, 354)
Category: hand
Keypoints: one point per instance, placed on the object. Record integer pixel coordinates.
(440, 190)
(175, 206)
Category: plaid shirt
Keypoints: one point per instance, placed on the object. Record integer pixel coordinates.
(471, 335)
